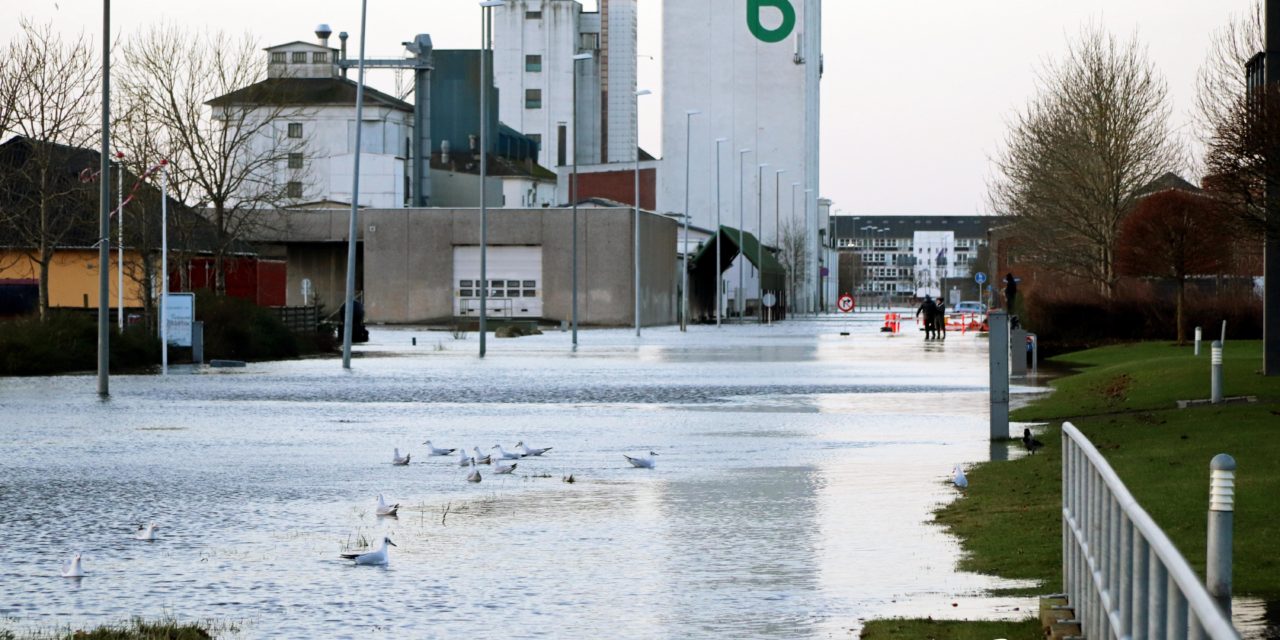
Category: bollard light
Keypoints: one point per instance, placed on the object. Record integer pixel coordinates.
(1222, 500)
(1199, 337)
(1215, 368)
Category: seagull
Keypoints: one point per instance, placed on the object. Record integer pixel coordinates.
(959, 479)
(401, 462)
(71, 568)
(504, 469)
(1030, 442)
(642, 463)
(506, 455)
(474, 476)
(530, 452)
(432, 451)
(385, 509)
(479, 459)
(376, 557)
(147, 533)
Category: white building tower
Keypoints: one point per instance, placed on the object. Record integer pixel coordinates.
(534, 45)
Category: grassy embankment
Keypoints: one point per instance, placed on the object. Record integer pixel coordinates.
(137, 629)
(1124, 399)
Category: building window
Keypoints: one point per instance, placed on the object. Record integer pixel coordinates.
(533, 64)
(278, 57)
(295, 161)
(320, 57)
(295, 129)
(299, 57)
(533, 98)
(293, 189)
(533, 15)
(589, 42)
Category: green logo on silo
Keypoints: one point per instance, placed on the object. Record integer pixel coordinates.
(755, 7)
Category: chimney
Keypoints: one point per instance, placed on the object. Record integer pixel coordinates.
(322, 33)
(342, 37)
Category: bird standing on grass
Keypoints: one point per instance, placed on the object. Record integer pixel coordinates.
(1030, 442)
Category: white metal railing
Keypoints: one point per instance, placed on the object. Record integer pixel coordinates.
(1123, 576)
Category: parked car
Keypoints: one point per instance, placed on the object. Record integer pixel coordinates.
(970, 307)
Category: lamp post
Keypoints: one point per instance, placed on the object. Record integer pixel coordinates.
(684, 249)
(120, 240)
(760, 240)
(104, 211)
(813, 259)
(793, 296)
(348, 315)
(573, 192)
(485, 35)
(719, 279)
(636, 250)
(742, 223)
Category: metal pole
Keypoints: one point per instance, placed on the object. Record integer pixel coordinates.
(742, 223)
(760, 240)
(684, 249)
(484, 175)
(120, 241)
(573, 194)
(810, 295)
(164, 271)
(1217, 573)
(349, 310)
(1215, 369)
(1271, 244)
(999, 364)
(719, 274)
(104, 211)
(636, 247)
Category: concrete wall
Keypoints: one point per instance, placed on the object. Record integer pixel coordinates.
(408, 256)
(325, 264)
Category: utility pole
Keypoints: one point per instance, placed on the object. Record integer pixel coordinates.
(1271, 252)
(104, 212)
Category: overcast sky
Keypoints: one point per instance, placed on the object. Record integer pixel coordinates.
(915, 97)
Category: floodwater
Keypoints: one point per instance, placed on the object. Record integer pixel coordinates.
(796, 476)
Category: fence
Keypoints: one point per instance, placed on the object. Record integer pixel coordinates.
(299, 319)
(1123, 577)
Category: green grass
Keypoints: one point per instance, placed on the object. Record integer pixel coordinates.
(948, 630)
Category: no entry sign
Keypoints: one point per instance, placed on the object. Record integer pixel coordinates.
(845, 304)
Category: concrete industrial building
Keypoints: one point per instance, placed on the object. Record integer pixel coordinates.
(534, 45)
(755, 79)
(897, 259)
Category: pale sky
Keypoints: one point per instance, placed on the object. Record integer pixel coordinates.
(915, 97)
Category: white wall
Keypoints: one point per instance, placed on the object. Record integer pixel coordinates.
(528, 193)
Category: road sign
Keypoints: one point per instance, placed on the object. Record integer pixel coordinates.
(980, 277)
(180, 315)
(845, 304)
(770, 299)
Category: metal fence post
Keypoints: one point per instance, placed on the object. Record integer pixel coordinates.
(999, 363)
(1215, 383)
(1018, 352)
(1222, 499)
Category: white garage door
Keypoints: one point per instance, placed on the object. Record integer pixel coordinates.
(515, 282)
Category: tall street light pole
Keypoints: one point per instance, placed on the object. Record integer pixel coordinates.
(349, 310)
(120, 240)
(485, 36)
(760, 241)
(636, 249)
(573, 192)
(813, 259)
(719, 274)
(684, 250)
(104, 212)
(742, 223)
(793, 296)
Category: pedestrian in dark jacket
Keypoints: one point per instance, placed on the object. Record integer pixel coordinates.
(940, 320)
(928, 309)
(1010, 291)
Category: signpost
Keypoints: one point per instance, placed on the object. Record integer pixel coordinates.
(769, 301)
(179, 317)
(845, 304)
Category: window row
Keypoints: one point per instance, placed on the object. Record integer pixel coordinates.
(299, 57)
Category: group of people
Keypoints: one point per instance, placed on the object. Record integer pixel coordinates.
(935, 318)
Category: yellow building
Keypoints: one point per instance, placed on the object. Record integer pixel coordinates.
(73, 276)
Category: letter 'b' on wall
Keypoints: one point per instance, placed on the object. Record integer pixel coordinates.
(756, 7)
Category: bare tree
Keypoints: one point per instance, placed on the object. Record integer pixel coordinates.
(795, 259)
(1221, 82)
(1077, 159)
(232, 158)
(51, 90)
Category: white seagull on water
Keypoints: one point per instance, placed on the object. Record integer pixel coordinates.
(958, 478)
(642, 463)
(520, 447)
(432, 451)
(504, 469)
(146, 533)
(474, 476)
(385, 509)
(401, 461)
(376, 557)
(503, 454)
(475, 453)
(71, 568)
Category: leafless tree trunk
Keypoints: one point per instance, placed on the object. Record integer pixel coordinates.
(52, 95)
(1077, 159)
(231, 160)
(795, 259)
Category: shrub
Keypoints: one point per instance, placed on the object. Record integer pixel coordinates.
(236, 329)
(68, 341)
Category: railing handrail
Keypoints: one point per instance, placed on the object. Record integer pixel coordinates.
(1206, 611)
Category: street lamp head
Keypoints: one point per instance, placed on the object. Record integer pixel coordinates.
(489, 4)
(780, 171)
(744, 151)
(795, 184)
(721, 140)
(583, 56)
(643, 92)
(692, 112)
(764, 166)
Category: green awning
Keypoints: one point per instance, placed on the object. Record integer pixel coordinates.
(749, 245)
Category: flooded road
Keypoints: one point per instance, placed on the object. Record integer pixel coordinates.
(796, 475)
